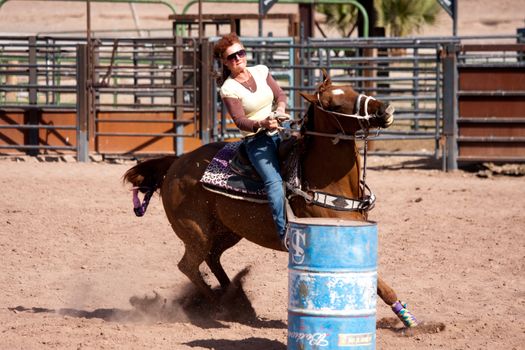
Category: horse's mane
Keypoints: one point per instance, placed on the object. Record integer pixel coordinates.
(308, 119)
(309, 116)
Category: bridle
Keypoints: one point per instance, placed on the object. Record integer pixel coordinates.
(357, 107)
(364, 123)
(364, 120)
(366, 202)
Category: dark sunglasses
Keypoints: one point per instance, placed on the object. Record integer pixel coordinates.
(240, 54)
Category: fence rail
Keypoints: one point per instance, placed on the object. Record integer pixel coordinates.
(138, 96)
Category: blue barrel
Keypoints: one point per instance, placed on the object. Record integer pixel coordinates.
(332, 284)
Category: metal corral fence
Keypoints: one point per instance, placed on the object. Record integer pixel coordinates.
(137, 97)
(112, 97)
(38, 89)
(405, 72)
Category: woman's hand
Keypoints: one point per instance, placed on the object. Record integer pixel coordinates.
(270, 123)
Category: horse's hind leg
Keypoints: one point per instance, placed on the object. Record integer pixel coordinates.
(389, 296)
(220, 244)
(385, 292)
(189, 265)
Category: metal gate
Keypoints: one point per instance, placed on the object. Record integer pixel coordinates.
(114, 97)
(144, 95)
(488, 120)
(406, 72)
(491, 103)
(38, 95)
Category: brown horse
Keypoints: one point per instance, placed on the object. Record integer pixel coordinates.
(209, 223)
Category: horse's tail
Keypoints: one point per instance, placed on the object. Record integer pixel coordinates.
(147, 177)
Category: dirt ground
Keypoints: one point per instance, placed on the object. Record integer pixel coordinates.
(80, 271)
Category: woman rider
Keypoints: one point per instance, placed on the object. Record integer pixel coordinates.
(249, 94)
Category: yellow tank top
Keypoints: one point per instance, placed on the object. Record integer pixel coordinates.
(257, 105)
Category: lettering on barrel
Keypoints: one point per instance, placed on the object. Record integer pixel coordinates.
(314, 339)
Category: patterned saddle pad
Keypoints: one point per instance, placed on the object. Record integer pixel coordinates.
(219, 177)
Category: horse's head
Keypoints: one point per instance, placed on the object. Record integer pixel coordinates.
(350, 110)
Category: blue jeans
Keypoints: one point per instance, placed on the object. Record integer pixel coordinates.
(263, 153)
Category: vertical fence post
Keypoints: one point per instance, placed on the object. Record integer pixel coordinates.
(206, 97)
(179, 95)
(298, 54)
(521, 40)
(450, 104)
(32, 112)
(82, 104)
(439, 110)
(415, 84)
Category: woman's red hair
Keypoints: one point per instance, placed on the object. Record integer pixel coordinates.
(223, 43)
(218, 52)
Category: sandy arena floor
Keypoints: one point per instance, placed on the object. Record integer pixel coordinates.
(79, 271)
(73, 255)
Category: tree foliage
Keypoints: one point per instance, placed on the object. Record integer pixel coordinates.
(399, 17)
(341, 17)
(405, 17)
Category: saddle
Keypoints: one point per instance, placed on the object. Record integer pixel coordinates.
(231, 173)
(242, 166)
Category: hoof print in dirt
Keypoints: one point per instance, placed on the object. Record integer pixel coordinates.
(422, 328)
(395, 325)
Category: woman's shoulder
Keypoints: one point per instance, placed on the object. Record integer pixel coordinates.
(228, 88)
(261, 69)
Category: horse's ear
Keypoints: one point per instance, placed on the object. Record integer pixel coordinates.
(326, 77)
(309, 97)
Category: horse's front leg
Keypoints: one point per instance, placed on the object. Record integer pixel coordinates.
(389, 296)
(221, 243)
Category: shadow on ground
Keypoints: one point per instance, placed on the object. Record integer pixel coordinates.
(232, 305)
(243, 344)
(481, 169)
(398, 163)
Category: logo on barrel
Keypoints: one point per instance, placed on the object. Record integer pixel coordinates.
(298, 240)
(349, 339)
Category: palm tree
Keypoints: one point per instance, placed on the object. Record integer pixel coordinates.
(400, 17)
(404, 17)
(342, 17)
